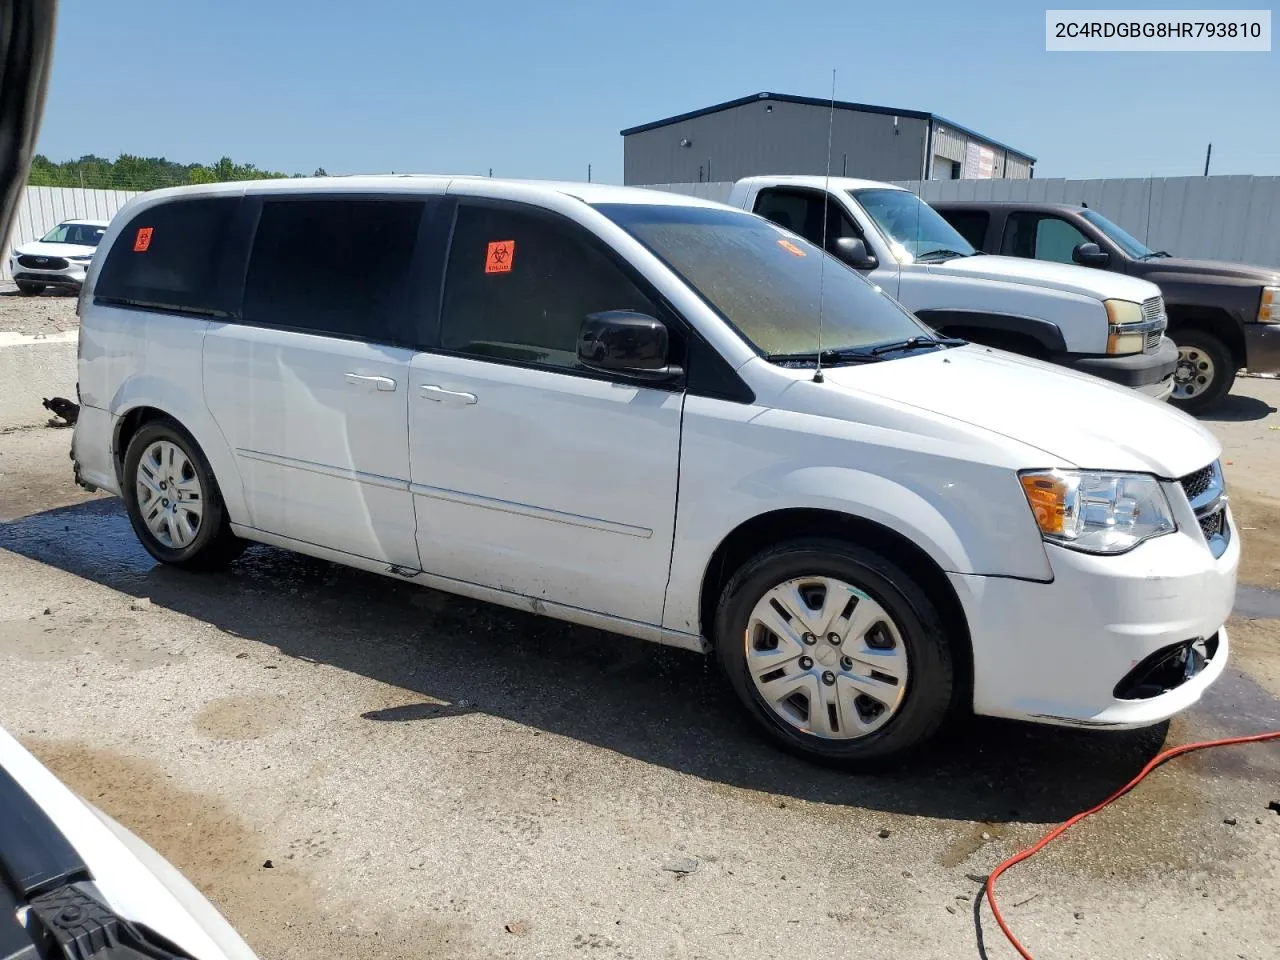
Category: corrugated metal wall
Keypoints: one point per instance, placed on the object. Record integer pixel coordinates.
(1217, 218)
(771, 136)
(1211, 218)
(43, 208)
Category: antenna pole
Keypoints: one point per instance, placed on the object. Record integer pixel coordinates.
(826, 217)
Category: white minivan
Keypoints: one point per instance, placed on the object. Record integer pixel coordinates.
(605, 405)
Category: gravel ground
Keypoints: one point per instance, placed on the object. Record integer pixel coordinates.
(50, 312)
(355, 767)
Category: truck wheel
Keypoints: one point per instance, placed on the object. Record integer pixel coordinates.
(173, 499)
(1205, 370)
(29, 289)
(835, 652)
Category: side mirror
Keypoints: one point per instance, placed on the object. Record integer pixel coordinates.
(625, 342)
(1090, 255)
(854, 252)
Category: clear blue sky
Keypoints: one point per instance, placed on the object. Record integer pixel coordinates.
(541, 89)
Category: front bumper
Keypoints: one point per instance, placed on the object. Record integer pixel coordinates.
(1262, 347)
(1149, 372)
(71, 275)
(1056, 652)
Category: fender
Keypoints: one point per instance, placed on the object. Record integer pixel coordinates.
(1043, 332)
(147, 390)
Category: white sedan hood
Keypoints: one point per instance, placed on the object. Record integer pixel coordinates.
(37, 249)
(1076, 418)
(1085, 281)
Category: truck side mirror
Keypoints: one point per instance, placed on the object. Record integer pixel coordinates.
(854, 252)
(1090, 255)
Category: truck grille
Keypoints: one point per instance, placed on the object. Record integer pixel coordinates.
(1153, 308)
(1207, 493)
(1152, 343)
(32, 262)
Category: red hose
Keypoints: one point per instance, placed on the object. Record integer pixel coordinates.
(1059, 830)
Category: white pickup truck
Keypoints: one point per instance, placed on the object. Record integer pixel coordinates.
(1104, 324)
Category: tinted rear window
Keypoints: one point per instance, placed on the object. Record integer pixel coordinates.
(971, 224)
(171, 257)
(336, 267)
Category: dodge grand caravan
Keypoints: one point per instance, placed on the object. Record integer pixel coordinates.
(666, 418)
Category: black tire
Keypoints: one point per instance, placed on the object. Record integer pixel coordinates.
(29, 289)
(1199, 353)
(214, 545)
(931, 682)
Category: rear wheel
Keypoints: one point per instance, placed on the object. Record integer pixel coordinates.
(173, 499)
(1205, 371)
(838, 654)
(29, 289)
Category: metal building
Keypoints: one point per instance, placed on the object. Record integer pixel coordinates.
(776, 133)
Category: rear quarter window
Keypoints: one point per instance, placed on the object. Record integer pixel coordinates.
(172, 257)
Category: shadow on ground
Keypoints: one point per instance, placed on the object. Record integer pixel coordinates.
(1235, 408)
(658, 705)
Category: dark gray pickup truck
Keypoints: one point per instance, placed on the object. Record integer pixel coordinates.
(1223, 316)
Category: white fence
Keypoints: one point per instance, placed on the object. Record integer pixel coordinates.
(1213, 218)
(43, 208)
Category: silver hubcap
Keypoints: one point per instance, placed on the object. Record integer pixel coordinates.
(826, 658)
(1193, 374)
(169, 494)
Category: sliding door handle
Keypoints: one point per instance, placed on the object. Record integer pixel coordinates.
(430, 391)
(378, 383)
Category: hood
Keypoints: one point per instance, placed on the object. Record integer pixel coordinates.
(1262, 276)
(37, 249)
(1100, 284)
(1079, 420)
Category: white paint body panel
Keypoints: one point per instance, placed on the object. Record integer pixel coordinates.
(136, 882)
(603, 503)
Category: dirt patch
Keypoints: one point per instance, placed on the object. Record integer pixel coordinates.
(35, 471)
(1258, 519)
(244, 717)
(61, 635)
(51, 312)
(275, 909)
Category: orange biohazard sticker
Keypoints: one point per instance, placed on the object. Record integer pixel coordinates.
(502, 253)
(142, 240)
(790, 247)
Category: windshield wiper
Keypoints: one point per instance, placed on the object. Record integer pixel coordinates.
(1155, 253)
(830, 358)
(916, 343)
(940, 255)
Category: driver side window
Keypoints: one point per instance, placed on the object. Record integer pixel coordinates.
(1040, 237)
(800, 211)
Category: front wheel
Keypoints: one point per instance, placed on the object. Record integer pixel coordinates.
(1205, 371)
(835, 652)
(173, 500)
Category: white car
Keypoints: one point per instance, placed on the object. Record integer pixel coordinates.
(58, 259)
(74, 883)
(1105, 324)
(604, 405)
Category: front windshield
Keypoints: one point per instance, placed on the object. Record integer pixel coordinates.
(764, 280)
(1125, 241)
(84, 234)
(912, 224)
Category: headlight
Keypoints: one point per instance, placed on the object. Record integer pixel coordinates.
(81, 257)
(1121, 313)
(1097, 512)
(1269, 311)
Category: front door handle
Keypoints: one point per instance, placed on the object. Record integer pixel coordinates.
(379, 383)
(431, 392)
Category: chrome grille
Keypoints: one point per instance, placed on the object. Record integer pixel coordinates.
(1153, 308)
(1207, 493)
(1152, 343)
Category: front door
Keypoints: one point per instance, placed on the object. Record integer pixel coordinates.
(530, 473)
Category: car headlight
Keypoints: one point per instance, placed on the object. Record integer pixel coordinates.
(1097, 512)
(1120, 314)
(81, 257)
(1269, 310)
